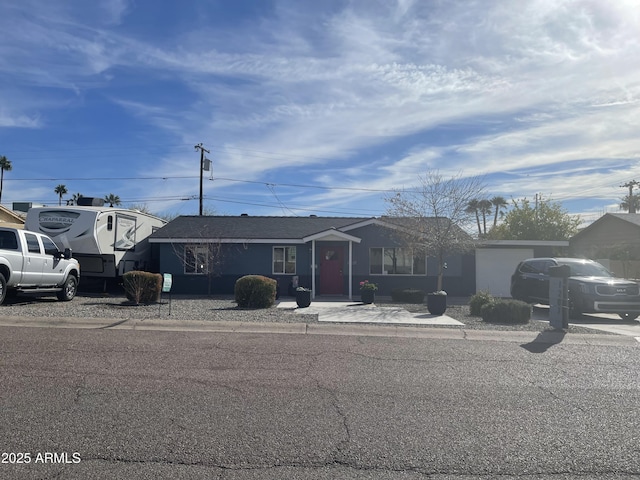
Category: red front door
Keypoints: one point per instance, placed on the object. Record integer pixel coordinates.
(331, 265)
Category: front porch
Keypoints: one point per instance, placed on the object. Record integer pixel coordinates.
(331, 252)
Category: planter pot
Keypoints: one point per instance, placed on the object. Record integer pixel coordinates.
(303, 299)
(367, 296)
(436, 304)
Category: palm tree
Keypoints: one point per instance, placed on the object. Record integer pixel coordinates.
(485, 207)
(112, 199)
(76, 197)
(630, 206)
(472, 207)
(60, 190)
(5, 164)
(499, 203)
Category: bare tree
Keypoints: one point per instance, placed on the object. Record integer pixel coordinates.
(433, 216)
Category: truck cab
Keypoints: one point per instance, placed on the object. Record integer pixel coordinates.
(31, 262)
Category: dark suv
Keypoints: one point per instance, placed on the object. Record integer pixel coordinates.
(592, 288)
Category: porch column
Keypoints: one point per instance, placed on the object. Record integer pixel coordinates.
(313, 269)
(350, 270)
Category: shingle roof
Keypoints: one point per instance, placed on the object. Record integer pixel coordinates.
(248, 227)
(628, 217)
(633, 218)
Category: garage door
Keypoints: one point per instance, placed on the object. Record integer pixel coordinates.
(494, 267)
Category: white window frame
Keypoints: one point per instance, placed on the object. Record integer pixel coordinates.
(198, 251)
(413, 262)
(286, 250)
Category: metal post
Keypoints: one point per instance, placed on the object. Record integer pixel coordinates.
(559, 297)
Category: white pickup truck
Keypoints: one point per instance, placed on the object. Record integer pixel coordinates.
(31, 263)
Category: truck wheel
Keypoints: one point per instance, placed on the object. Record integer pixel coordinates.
(69, 289)
(3, 289)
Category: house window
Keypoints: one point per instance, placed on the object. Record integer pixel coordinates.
(196, 259)
(284, 260)
(396, 261)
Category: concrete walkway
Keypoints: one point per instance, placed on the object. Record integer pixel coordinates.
(356, 312)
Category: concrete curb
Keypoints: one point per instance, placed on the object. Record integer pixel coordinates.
(365, 330)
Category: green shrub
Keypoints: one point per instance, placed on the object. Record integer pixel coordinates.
(477, 301)
(407, 295)
(506, 311)
(142, 287)
(255, 291)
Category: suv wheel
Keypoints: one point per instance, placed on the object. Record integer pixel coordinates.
(628, 316)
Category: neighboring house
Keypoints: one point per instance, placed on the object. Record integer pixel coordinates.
(330, 255)
(9, 218)
(614, 241)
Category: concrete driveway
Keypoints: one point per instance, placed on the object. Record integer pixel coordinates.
(356, 312)
(604, 322)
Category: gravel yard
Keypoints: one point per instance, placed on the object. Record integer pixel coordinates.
(220, 308)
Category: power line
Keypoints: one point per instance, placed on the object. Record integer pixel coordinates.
(182, 177)
(96, 179)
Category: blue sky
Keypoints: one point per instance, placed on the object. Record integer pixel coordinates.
(318, 107)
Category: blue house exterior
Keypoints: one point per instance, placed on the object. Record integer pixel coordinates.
(329, 255)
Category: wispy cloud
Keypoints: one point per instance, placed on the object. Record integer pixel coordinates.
(386, 88)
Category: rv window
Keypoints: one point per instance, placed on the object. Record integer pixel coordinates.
(110, 222)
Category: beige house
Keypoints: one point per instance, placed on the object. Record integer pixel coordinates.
(614, 241)
(9, 218)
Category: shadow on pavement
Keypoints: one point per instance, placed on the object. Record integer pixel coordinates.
(544, 341)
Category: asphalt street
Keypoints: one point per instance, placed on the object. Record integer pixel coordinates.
(128, 403)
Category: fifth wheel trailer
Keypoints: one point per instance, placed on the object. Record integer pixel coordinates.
(107, 241)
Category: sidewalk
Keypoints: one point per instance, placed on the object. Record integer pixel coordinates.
(369, 330)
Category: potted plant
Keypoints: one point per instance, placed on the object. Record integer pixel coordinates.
(303, 297)
(437, 302)
(368, 291)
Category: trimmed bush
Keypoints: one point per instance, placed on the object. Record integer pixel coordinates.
(142, 287)
(506, 311)
(477, 301)
(407, 295)
(255, 291)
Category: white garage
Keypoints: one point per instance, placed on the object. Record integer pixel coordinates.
(497, 260)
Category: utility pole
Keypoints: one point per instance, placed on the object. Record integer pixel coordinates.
(202, 151)
(630, 201)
